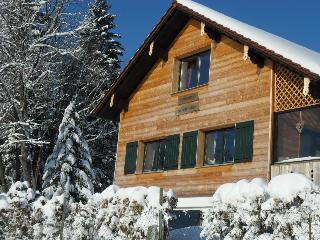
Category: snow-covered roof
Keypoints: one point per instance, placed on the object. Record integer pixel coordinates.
(301, 55)
(269, 46)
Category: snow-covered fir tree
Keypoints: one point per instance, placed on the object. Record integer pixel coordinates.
(98, 51)
(68, 169)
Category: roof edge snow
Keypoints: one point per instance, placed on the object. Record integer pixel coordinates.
(298, 54)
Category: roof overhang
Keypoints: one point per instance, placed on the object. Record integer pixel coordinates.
(162, 36)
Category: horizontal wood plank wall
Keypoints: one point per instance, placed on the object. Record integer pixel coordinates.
(310, 168)
(235, 93)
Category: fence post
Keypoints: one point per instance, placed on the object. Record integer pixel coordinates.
(310, 228)
(161, 233)
(62, 218)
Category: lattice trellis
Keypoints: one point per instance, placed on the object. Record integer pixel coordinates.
(289, 91)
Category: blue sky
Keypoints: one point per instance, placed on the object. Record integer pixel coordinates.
(296, 20)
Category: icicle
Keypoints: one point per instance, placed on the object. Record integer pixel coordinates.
(306, 84)
(151, 48)
(202, 28)
(112, 101)
(245, 52)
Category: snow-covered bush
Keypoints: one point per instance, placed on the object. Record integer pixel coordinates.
(128, 213)
(116, 213)
(15, 211)
(255, 209)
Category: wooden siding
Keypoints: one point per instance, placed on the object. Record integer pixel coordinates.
(235, 93)
(310, 168)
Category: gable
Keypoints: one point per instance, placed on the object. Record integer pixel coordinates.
(166, 31)
(155, 98)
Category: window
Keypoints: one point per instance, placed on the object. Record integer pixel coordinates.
(220, 146)
(194, 71)
(154, 156)
(298, 134)
(184, 219)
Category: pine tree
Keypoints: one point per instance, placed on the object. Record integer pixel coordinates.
(68, 168)
(98, 45)
(99, 53)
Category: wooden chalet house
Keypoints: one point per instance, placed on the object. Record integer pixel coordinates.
(208, 99)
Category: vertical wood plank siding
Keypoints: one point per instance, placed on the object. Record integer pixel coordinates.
(235, 93)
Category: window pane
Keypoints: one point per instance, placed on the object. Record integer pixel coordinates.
(298, 134)
(194, 71)
(183, 76)
(204, 68)
(210, 148)
(149, 156)
(229, 145)
(154, 156)
(219, 151)
(219, 146)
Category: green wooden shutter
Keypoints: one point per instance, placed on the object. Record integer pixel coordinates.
(189, 150)
(244, 142)
(171, 152)
(131, 158)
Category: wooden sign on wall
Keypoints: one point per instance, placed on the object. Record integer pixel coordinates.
(187, 108)
(188, 104)
(188, 98)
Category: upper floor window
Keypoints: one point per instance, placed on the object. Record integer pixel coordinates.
(154, 156)
(194, 71)
(220, 146)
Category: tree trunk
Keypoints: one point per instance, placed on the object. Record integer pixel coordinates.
(35, 176)
(25, 164)
(17, 166)
(4, 187)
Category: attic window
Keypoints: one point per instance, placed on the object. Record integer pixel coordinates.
(194, 71)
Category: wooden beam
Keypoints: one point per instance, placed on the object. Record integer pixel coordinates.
(306, 86)
(151, 49)
(213, 34)
(202, 31)
(245, 52)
